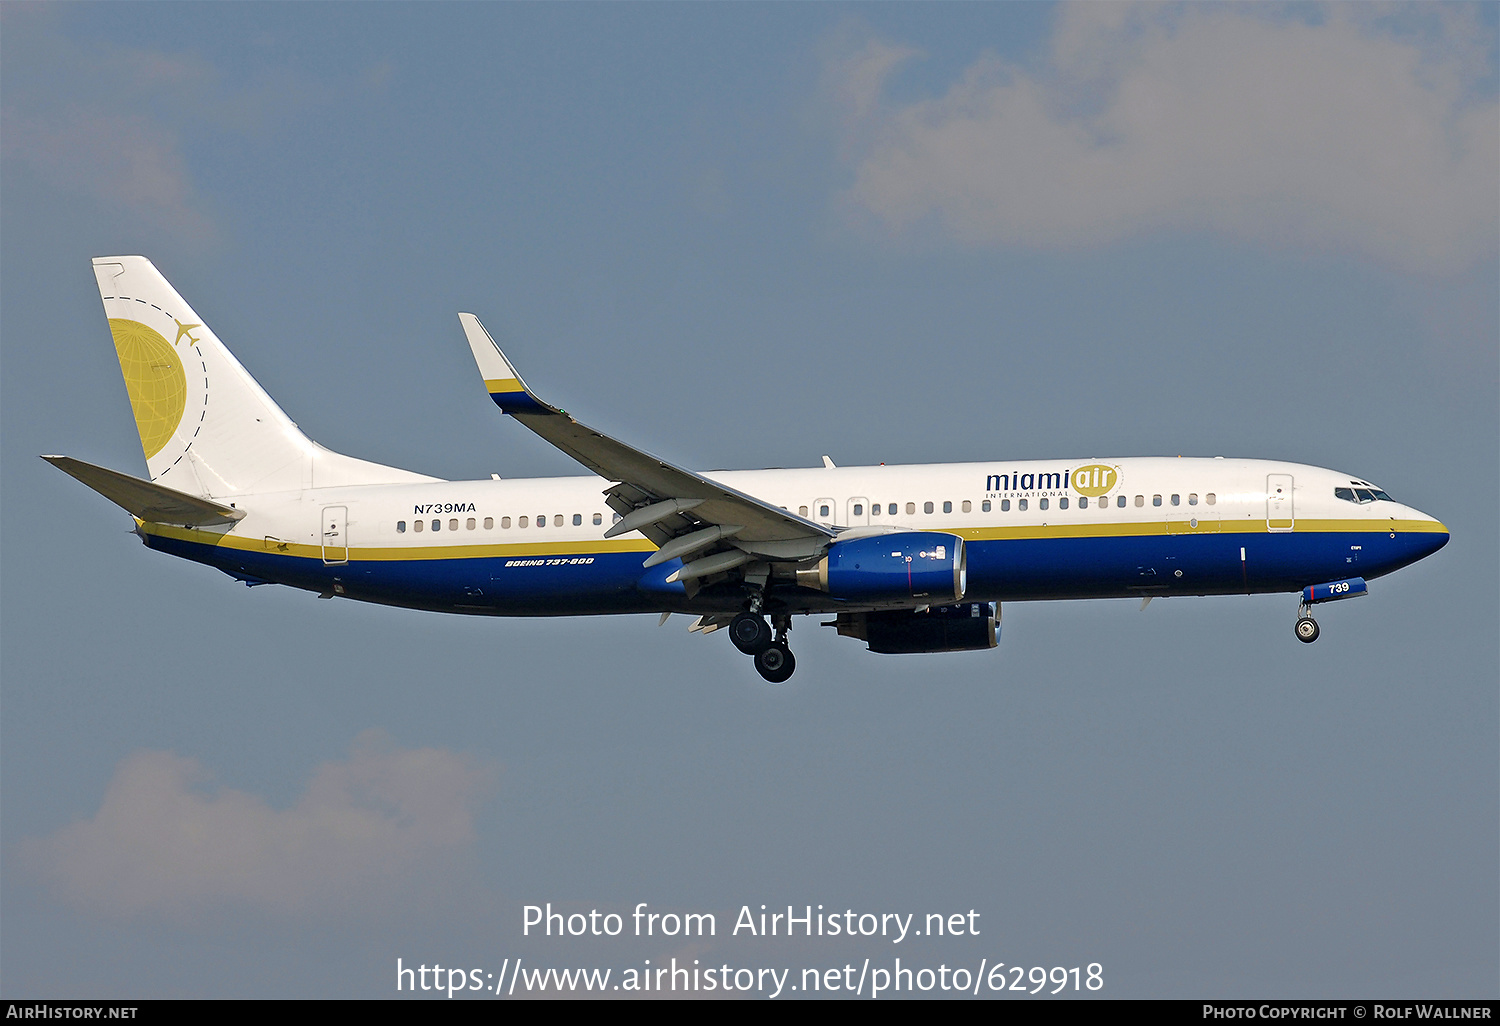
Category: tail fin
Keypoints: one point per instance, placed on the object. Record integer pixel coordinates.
(206, 427)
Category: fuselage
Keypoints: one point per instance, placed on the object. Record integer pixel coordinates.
(1054, 529)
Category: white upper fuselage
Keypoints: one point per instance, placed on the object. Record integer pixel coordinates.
(525, 513)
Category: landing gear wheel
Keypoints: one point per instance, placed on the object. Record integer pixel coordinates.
(775, 663)
(1307, 630)
(750, 633)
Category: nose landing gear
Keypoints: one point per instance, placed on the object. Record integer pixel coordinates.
(1307, 628)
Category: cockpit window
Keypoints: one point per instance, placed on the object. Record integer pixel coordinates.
(1361, 495)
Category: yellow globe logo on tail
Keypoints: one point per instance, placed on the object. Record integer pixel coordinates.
(155, 380)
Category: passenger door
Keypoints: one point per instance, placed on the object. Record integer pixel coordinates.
(1279, 513)
(335, 534)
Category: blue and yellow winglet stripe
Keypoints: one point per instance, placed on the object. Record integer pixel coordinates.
(500, 378)
(512, 396)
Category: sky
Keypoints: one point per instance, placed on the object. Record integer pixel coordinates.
(746, 236)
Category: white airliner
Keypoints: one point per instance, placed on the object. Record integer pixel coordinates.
(905, 558)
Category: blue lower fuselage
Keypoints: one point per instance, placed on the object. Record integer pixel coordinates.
(1023, 569)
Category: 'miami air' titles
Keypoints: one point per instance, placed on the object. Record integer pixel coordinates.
(907, 559)
(1091, 480)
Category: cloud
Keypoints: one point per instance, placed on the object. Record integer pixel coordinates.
(160, 845)
(1355, 131)
(122, 160)
(122, 125)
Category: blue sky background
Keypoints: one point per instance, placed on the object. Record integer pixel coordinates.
(744, 236)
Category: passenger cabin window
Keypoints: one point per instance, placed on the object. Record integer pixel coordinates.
(525, 521)
(967, 506)
(1140, 500)
(598, 519)
(1176, 500)
(1062, 503)
(984, 507)
(416, 525)
(1043, 504)
(822, 511)
(453, 524)
(1156, 500)
(947, 507)
(926, 507)
(401, 527)
(1004, 505)
(875, 509)
(1020, 504)
(1120, 501)
(859, 509)
(891, 509)
(470, 524)
(489, 523)
(437, 525)
(802, 511)
(505, 523)
(1083, 502)
(1210, 498)
(1192, 498)
(911, 507)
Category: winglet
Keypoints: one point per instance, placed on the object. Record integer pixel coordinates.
(500, 378)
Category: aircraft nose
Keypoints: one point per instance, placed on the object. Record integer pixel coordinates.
(1433, 539)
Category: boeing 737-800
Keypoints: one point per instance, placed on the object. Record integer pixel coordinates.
(904, 558)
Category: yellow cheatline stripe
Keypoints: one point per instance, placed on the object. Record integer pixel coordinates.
(226, 539)
(504, 385)
(1159, 528)
(286, 548)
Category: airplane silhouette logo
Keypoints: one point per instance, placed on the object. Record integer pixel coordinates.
(184, 329)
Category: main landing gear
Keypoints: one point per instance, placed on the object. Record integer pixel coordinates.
(1307, 628)
(753, 636)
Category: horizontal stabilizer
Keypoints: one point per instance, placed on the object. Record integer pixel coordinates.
(154, 503)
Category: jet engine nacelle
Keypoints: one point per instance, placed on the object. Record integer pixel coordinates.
(892, 567)
(968, 627)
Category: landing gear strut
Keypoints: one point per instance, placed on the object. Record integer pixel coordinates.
(1307, 628)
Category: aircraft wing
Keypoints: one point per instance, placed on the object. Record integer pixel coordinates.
(154, 503)
(677, 509)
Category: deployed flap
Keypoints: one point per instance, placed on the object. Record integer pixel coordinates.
(154, 503)
(654, 479)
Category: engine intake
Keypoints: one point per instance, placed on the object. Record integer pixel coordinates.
(892, 567)
(968, 627)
